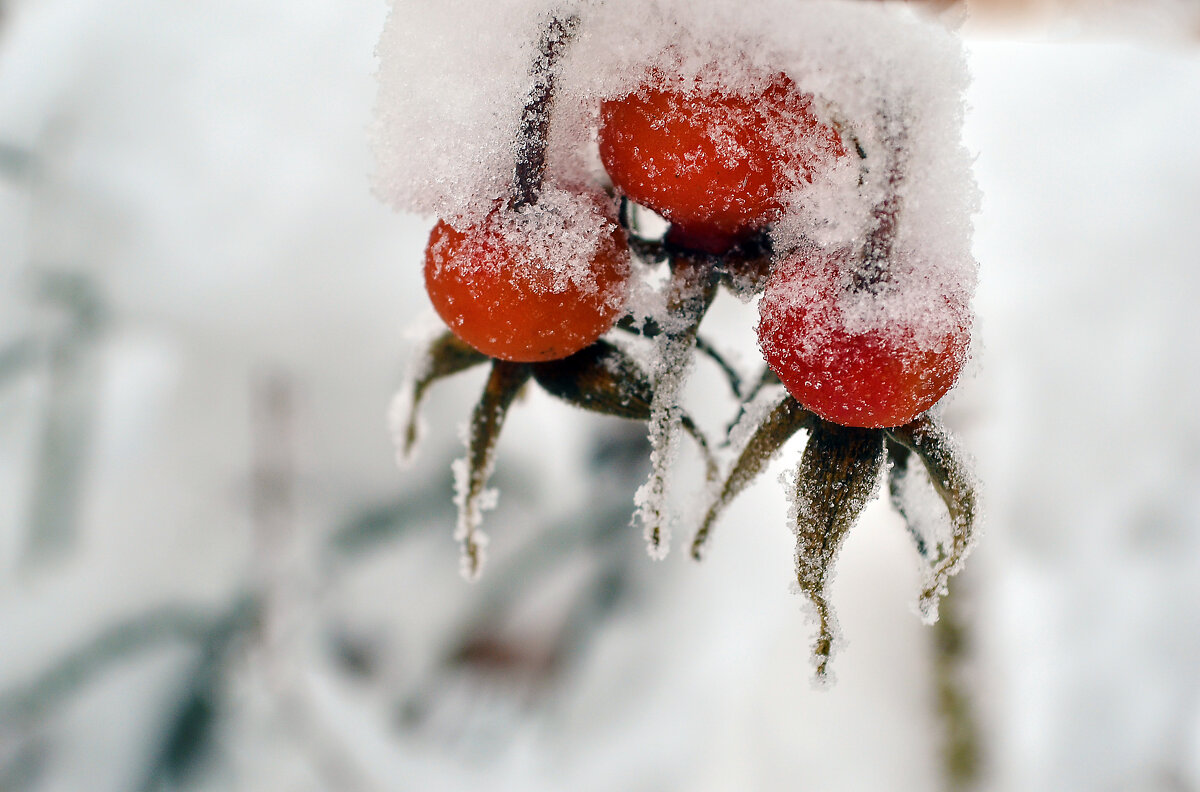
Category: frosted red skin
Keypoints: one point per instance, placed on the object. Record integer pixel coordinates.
(874, 379)
(714, 163)
(496, 296)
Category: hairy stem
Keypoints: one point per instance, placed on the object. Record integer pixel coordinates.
(690, 293)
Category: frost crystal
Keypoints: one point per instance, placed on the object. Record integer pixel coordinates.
(472, 500)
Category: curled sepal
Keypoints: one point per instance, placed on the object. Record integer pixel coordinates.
(899, 457)
(955, 485)
(472, 472)
(446, 355)
(773, 426)
(838, 476)
(604, 379)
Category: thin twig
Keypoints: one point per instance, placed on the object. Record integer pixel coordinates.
(731, 374)
(535, 117)
(878, 248)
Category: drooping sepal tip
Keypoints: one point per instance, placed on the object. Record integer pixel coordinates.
(838, 476)
(472, 496)
(442, 355)
(949, 472)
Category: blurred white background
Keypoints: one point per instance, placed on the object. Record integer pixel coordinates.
(213, 577)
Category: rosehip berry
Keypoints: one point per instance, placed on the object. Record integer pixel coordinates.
(527, 285)
(714, 162)
(849, 366)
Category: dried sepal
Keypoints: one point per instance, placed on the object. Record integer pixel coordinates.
(690, 293)
(601, 378)
(648, 328)
(775, 428)
(711, 468)
(954, 482)
(838, 476)
(472, 472)
(445, 356)
(604, 379)
(899, 457)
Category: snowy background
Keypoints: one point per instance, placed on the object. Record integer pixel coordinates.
(213, 577)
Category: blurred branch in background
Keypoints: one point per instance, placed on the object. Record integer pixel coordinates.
(494, 657)
(16, 163)
(391, 521)
(16, 358)
(187, 734)
(524, 664)
(22, 707)
(75, 324)
(499, 668)
(286, 586)
(188, 728)
(962, 743)
(22, 763)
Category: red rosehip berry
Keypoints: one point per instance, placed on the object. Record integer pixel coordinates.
(852, 369)
(539, 283)
(714, 162)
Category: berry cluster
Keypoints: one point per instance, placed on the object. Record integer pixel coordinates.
(535, 286)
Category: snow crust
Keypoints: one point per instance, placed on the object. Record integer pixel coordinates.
(454, 79)
(554, 244)
(454, 76)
